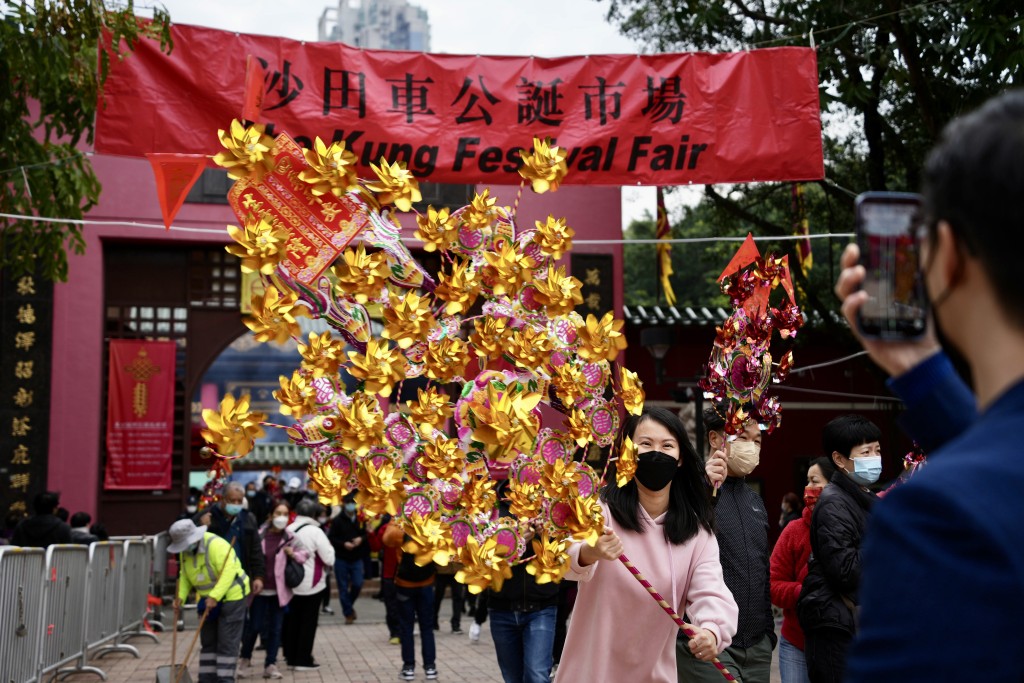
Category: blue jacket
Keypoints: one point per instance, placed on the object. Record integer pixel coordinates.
(943, 588)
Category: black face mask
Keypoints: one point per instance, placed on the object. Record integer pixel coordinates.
(655, 470)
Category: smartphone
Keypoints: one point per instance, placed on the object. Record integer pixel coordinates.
(897, 307)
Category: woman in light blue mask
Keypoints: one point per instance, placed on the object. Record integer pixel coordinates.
(827, 607)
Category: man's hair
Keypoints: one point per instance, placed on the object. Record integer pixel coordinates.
(80, 519)
(846, 432)
(233, 486)
(974, 179)
(62, 514)
(307, 507)
(46, 503)
(714, 419)
(269, 477)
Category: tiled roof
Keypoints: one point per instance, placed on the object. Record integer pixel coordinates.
(647, 316)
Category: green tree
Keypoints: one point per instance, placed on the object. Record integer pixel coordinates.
(52, 71)
(891, 75)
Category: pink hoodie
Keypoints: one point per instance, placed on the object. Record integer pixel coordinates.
(618, 632)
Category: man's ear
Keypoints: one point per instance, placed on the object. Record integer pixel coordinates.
(949, 254)
(837, 460)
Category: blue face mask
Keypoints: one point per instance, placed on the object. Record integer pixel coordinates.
(350, 508)
(866, 470)
(232, 509)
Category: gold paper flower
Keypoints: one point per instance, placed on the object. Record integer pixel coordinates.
(235, 428)
(550, 559)
(395, 185)
(436, 229)
(625, 466)
(327, 482)
(442, 458)
(430, 410)
(569, 382)
(446, 359)
(260, 244)
(530, 347)
(297, 395)
(490, 337)
(430, 539)
(579, 428)
(460, 288)
(380, 367)
(381, 489)
(273, 316)
(553, 237)
(507, 270)
(362, 423)
(408, 319)
(560, 478)
(323, 355)
(631, 391)
(481, 211)
(559, 293)
(525, 499)
(360, 275)
(331, 169)
(586, 523)
(601, 340)
(546, 167)
(505, 422)
(482, 566)
(247, 151)
(478, 495)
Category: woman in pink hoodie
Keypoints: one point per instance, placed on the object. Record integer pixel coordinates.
(266, 613)
(662, 520)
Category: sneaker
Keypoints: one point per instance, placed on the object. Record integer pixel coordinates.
(474, 633)
(430, 672)
(395, 640)
(328, 610)
(272, 672)
(244, 666)
(408, 673)
(457, 630)
(312, 666)
(350, 618)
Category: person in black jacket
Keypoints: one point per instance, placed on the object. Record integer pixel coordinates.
(741, 528)
(237, 526)
(80, 529)
(827, 607)
(45, 528)
(351, 548)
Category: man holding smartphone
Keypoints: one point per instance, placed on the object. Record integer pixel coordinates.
(943, 558)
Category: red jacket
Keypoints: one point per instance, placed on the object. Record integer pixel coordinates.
(388, 556)
(788, 570)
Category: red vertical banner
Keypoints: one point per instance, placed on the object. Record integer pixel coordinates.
(140, 415)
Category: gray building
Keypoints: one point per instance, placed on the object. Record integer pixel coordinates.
(376, 25)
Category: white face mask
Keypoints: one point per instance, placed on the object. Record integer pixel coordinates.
(744, 456)
(280, 522)
(321, 519)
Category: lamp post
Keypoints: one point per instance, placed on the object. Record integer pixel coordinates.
(658, 341)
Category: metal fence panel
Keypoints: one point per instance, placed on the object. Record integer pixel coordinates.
(104, 603)
(65, 587)
(138, 572)
(21, 617)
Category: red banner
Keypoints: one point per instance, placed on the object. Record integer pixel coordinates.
(665, 119)
(140, 415)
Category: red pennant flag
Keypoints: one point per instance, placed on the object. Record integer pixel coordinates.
(786, 280)
(745, 255)
(175, 176)
(252, 107)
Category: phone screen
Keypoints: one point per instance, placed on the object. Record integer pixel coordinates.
(886, 232)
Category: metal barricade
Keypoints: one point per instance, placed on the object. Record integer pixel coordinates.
(65, 589)
(159, 587)
(21, 618)
(138, 572)
(103, 613)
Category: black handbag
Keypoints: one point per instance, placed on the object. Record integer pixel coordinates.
(294, 572)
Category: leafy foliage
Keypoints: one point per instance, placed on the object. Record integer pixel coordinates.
(891, 76)
(52, 71)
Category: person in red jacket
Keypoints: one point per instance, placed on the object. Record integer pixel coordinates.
(389, 563)
(788, 568)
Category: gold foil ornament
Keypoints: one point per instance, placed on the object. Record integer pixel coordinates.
(323, 354)
(553, 237)
(247, 151)
(506, 421)
(260, 244)
(482, 566)
(362, 423)
(332, 169)
(379, 368)
(490, 336)
(381, 489)
(273, 316)
(631, 391)
(395, 185)
(545, 167)
(530, 347)
(362, 275)
(481, 212)
(430, 410)
(550, 560)
(459, 288)
(442, 458)
(297, 395)
(436, 229)
(507, 270)
(625, 466)
(408, 319)
(234, 428)
(327, 482)
(601, 339)
(430, 539)
(446, 359)
(559, 293)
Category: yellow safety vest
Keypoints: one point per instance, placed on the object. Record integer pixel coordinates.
(201, 571)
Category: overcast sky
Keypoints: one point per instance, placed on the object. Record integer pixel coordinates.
(501, 27)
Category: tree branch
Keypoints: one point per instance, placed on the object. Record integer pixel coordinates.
(760, 16)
